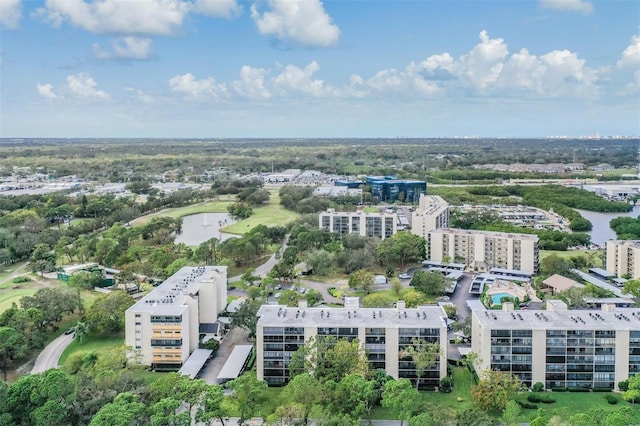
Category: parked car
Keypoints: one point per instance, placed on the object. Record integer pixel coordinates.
(404, 276)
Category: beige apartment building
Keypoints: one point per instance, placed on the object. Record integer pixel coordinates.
(432, 213)
(164, 327)
(623, 258)
(559, 347)
(377, 224)
(482, 250)
(383, 332)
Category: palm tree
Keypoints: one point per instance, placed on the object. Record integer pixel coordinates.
(81, 330)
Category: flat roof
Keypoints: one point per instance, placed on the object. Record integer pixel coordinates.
(195, 362)
(476, 305)
(592, 319)
(512, 235)
(602, 284)
(233, 365)
(510, 271)
(169, 297)
(283, 316)
(602, 272)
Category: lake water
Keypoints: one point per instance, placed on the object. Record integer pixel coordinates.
(601, 231)
(198, 228)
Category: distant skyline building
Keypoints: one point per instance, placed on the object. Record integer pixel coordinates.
(389, 189)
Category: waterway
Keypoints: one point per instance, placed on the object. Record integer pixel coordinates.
(198, 228)
(600, 221)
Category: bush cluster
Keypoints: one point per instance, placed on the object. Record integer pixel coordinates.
(541, 397)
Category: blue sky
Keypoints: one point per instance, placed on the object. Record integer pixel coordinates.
(305, 68)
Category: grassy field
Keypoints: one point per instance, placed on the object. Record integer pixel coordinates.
(92, 343)
(571, 253)
(567, 403)
(271, 215)
(208, 207)
(11, 292)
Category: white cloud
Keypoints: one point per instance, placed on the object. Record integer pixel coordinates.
(631, 55)
(217, 8)
(10, 13)
(304, 22)
(79, 87)
(126, 48)
(187, 85)
(251, 83)
(83, 86)
(483, 64)
(630, 60)
(294, 80)
(523, 71)
(46, 91)
(153, 17)
(579, 6)
(145, 97)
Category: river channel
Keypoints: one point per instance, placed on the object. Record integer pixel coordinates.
(198, 228)
(600, 221)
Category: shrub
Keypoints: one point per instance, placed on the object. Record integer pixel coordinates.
(212, 344)
(18, 280)
(623, 386)
(559, 389)
(547, 399)
(533, 398)
(578, 389)
(537, 387)
(527, 405)
(446, 385)
(612, 399)
(600, 389)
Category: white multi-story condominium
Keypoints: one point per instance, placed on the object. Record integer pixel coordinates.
(384, 334)
(432, 213)
(482, 250)
(382, 225)
(164, 327)
(623, 258)
(558, 347)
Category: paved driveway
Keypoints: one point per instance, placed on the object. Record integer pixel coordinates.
(50, 355)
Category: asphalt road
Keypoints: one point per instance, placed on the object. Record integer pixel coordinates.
(50, 355)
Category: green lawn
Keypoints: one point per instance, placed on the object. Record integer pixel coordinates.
(570, 403)
(271, 215)
(92, 343)
(569, 253)
(208, 207)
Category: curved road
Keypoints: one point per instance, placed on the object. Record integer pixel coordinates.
(50, 355)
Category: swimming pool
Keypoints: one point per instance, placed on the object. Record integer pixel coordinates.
(495, 298)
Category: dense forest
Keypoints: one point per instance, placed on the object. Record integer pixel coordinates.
(118, 160)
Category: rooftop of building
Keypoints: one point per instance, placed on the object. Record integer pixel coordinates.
(509, 235)
(352, 315)
(169, 297)
(632, 243)
(608, 318)
(382, 212)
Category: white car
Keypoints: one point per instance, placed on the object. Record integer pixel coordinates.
(404, 276)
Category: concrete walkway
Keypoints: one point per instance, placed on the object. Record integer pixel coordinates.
(50, 355)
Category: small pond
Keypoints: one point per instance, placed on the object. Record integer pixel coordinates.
(198, 228)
